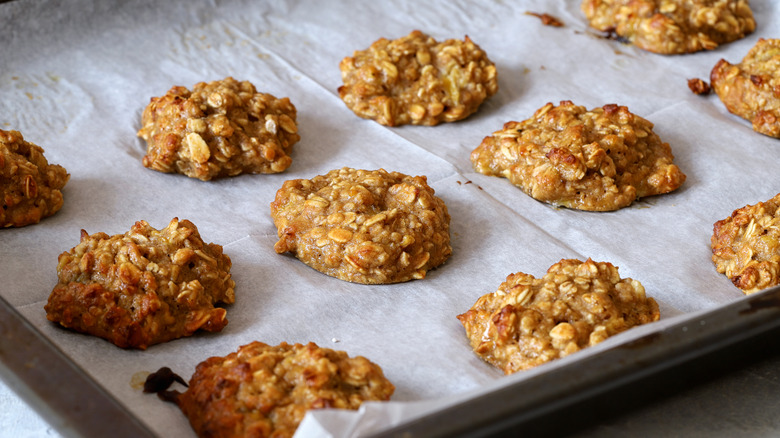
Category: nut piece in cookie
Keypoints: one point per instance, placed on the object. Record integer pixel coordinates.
(598, 160)
(371, 227)
(751, 89)
(746, 246)
(30, 187)
(672, 26)
(530, 321)
(142, 287)
(417, 80)
(265, 391)
(219, 129)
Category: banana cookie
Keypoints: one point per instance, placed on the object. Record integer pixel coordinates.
(529, 321)
(30, 187)
(362, 226)
(672, 26)
(219, 129)
(417, 80)
(597, 160)
(751, 89)
(143, 287)
(265, 391)
(746, 246)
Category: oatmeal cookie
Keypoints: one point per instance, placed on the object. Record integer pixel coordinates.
(265, 391)
(746, 246)
(598, 160)
(219, 129)
(672, 26)
(31, 187)
(751, 89)
(142, 287)
(417, 80)
(371, 227)
(530, 321)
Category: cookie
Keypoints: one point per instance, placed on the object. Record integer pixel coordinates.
(219, 129)
(417, 80)
(31, 188)
(750, 89)
(597, 160)
(265, 391)
(142, 287)
(746, 246)
(672, 26)
(530, 321)
(371, 227)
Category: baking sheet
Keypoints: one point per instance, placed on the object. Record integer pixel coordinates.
(75, 83)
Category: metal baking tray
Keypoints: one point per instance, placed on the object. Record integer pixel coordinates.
(72, 402)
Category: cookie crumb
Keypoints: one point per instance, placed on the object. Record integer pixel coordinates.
(699, 86)
(547, 19)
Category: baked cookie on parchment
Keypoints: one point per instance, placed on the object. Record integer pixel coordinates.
(265, 391)
(746, 246)
(30, 187)
(143, 287)
(219, 129)
(529, 321)
(599, 160)
(417, 80)
(751, 89)
(363, 226)
(672, 26)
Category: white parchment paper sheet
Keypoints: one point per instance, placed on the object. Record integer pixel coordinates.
(75, 77)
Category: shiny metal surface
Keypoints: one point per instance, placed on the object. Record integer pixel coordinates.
(60, 391)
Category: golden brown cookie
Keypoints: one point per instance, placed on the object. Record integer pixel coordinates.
(746, 246)
(672, 26)
(417, 80)
(598, 160)
(371, 227)
(30, 187)
(219, 129)
(265, 391)
(142, 287)
(751, 89)
(530, 321)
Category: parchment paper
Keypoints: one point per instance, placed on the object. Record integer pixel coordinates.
(76, 76)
